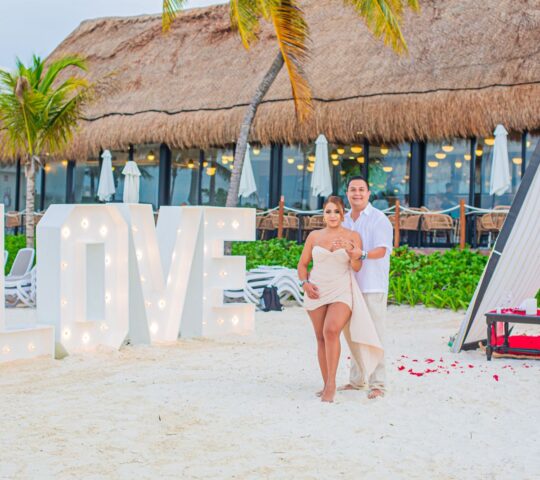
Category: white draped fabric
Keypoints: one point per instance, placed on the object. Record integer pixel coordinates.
(500, 170)
(106, 188)
(132, 176)
(321, 181)
(247, 180)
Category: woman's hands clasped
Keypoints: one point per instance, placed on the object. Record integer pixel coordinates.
(349, 246)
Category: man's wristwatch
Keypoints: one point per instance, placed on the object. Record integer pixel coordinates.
(363, 256)
(302, 282)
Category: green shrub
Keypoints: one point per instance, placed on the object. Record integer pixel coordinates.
(441, 280)
(285, 253)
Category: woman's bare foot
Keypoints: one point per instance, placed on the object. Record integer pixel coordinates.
(328, 394)
(375, 393)
(320, 392)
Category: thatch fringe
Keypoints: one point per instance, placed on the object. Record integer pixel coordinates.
(471, 66)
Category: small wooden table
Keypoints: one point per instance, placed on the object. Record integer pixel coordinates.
(507, 316)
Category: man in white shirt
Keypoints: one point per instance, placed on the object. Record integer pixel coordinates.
(376, 233)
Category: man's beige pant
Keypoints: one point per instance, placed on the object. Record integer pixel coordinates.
(376, 303)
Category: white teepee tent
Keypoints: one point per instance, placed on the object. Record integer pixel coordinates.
(512, 271)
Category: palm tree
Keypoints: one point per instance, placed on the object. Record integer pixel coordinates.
(38, 114)
(382, 17)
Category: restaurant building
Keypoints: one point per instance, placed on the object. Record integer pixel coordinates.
(419, 126)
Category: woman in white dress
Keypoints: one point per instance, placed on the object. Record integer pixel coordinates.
(332, 296)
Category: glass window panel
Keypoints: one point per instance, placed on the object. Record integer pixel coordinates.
(216, 175)
(22, 188)
(86, 181)
(530, 144)
(184, 177)
(8, 174)
(119, 159)
(298, 166)
(260, 162)
(55, 183)
(447, 174)
(389, 170)
(484, 156)
(346, 161)
(147, 158)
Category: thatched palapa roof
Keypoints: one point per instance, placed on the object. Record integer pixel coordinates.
(471, 65)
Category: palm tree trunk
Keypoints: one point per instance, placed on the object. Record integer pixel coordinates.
(241, 145)
(30, 173)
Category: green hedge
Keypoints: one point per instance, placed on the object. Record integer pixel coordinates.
(442, 280)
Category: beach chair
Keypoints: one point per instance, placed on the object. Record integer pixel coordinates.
(284, 279)
(22, 264)
(21, 290)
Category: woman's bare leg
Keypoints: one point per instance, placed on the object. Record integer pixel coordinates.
(337, 316)
(317, 319)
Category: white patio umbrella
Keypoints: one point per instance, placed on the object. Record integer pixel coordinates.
(247, 180)
(131, 182)
(500, 172)
(321, 181)
(106, 187)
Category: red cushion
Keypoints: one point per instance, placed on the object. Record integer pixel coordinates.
(518, 341)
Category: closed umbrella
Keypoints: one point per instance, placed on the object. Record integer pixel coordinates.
(321, 182)
(247, 180)
(131, 182)
(500, 172)
(106, 187)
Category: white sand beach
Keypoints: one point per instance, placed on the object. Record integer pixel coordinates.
(245, 408)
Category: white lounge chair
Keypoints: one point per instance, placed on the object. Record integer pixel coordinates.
(21, 290)
(22, 264)
(285, 279)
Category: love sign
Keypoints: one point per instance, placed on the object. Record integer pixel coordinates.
(105, 272)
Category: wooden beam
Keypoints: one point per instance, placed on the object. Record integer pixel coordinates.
(280, 217)
(462, 226)
(396, 226)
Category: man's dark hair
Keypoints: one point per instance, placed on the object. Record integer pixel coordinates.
(357, 177)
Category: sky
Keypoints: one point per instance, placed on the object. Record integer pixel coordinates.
(38, 26)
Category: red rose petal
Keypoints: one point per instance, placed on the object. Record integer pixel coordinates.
(496, 377)
(401, 367)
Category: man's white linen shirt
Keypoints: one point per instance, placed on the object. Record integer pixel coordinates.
(375, 231)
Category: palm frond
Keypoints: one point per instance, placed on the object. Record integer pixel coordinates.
(33, 113)
(383, 18)
(245, 18)
(292, 34)
(169, 12)
(58, 66)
